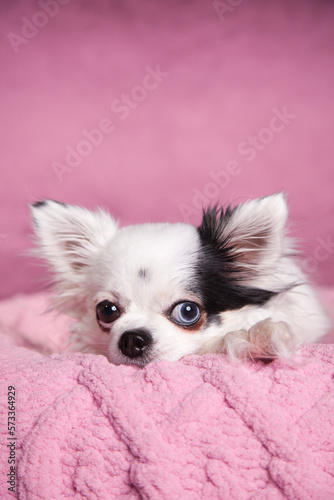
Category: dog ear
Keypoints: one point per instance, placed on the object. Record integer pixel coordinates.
(249, 236)
(70, 237)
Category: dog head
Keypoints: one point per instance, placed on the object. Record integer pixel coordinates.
(160, 291)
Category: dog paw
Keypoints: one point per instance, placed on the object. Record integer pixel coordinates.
(267, 339)
(272, 339)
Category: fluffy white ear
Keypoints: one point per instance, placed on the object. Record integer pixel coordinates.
(256, 229)
(70, 237)
(251, 235)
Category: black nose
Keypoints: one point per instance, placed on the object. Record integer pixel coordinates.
(134, 343)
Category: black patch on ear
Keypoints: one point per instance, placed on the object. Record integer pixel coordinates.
(219, 279)
(39, 204)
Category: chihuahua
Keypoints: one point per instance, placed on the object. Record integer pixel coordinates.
(161, 291)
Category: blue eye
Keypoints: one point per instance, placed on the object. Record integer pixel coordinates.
(186, 313)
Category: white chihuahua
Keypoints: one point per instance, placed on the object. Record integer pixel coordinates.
(161, 291)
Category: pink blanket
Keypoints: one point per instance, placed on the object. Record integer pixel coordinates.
(202, 428)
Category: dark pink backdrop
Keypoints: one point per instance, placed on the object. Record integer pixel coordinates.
(208, 83)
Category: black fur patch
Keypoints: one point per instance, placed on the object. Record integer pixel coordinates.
(219, 279)
(39, 204)
(143, 273)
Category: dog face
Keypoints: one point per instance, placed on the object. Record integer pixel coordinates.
(162, 291)
(142, 286)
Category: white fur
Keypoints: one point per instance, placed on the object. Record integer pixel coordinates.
(93, 260)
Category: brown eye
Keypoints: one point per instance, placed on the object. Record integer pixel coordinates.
(106, 312)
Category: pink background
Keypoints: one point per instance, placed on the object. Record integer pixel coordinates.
(222, 78)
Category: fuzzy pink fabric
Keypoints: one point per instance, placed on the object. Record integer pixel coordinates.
(199, 428)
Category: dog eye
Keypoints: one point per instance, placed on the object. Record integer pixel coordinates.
(186, 313)
(106, 312)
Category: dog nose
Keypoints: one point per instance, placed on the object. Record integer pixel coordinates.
(134, 343)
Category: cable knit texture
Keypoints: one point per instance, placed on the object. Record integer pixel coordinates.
(201, 428)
